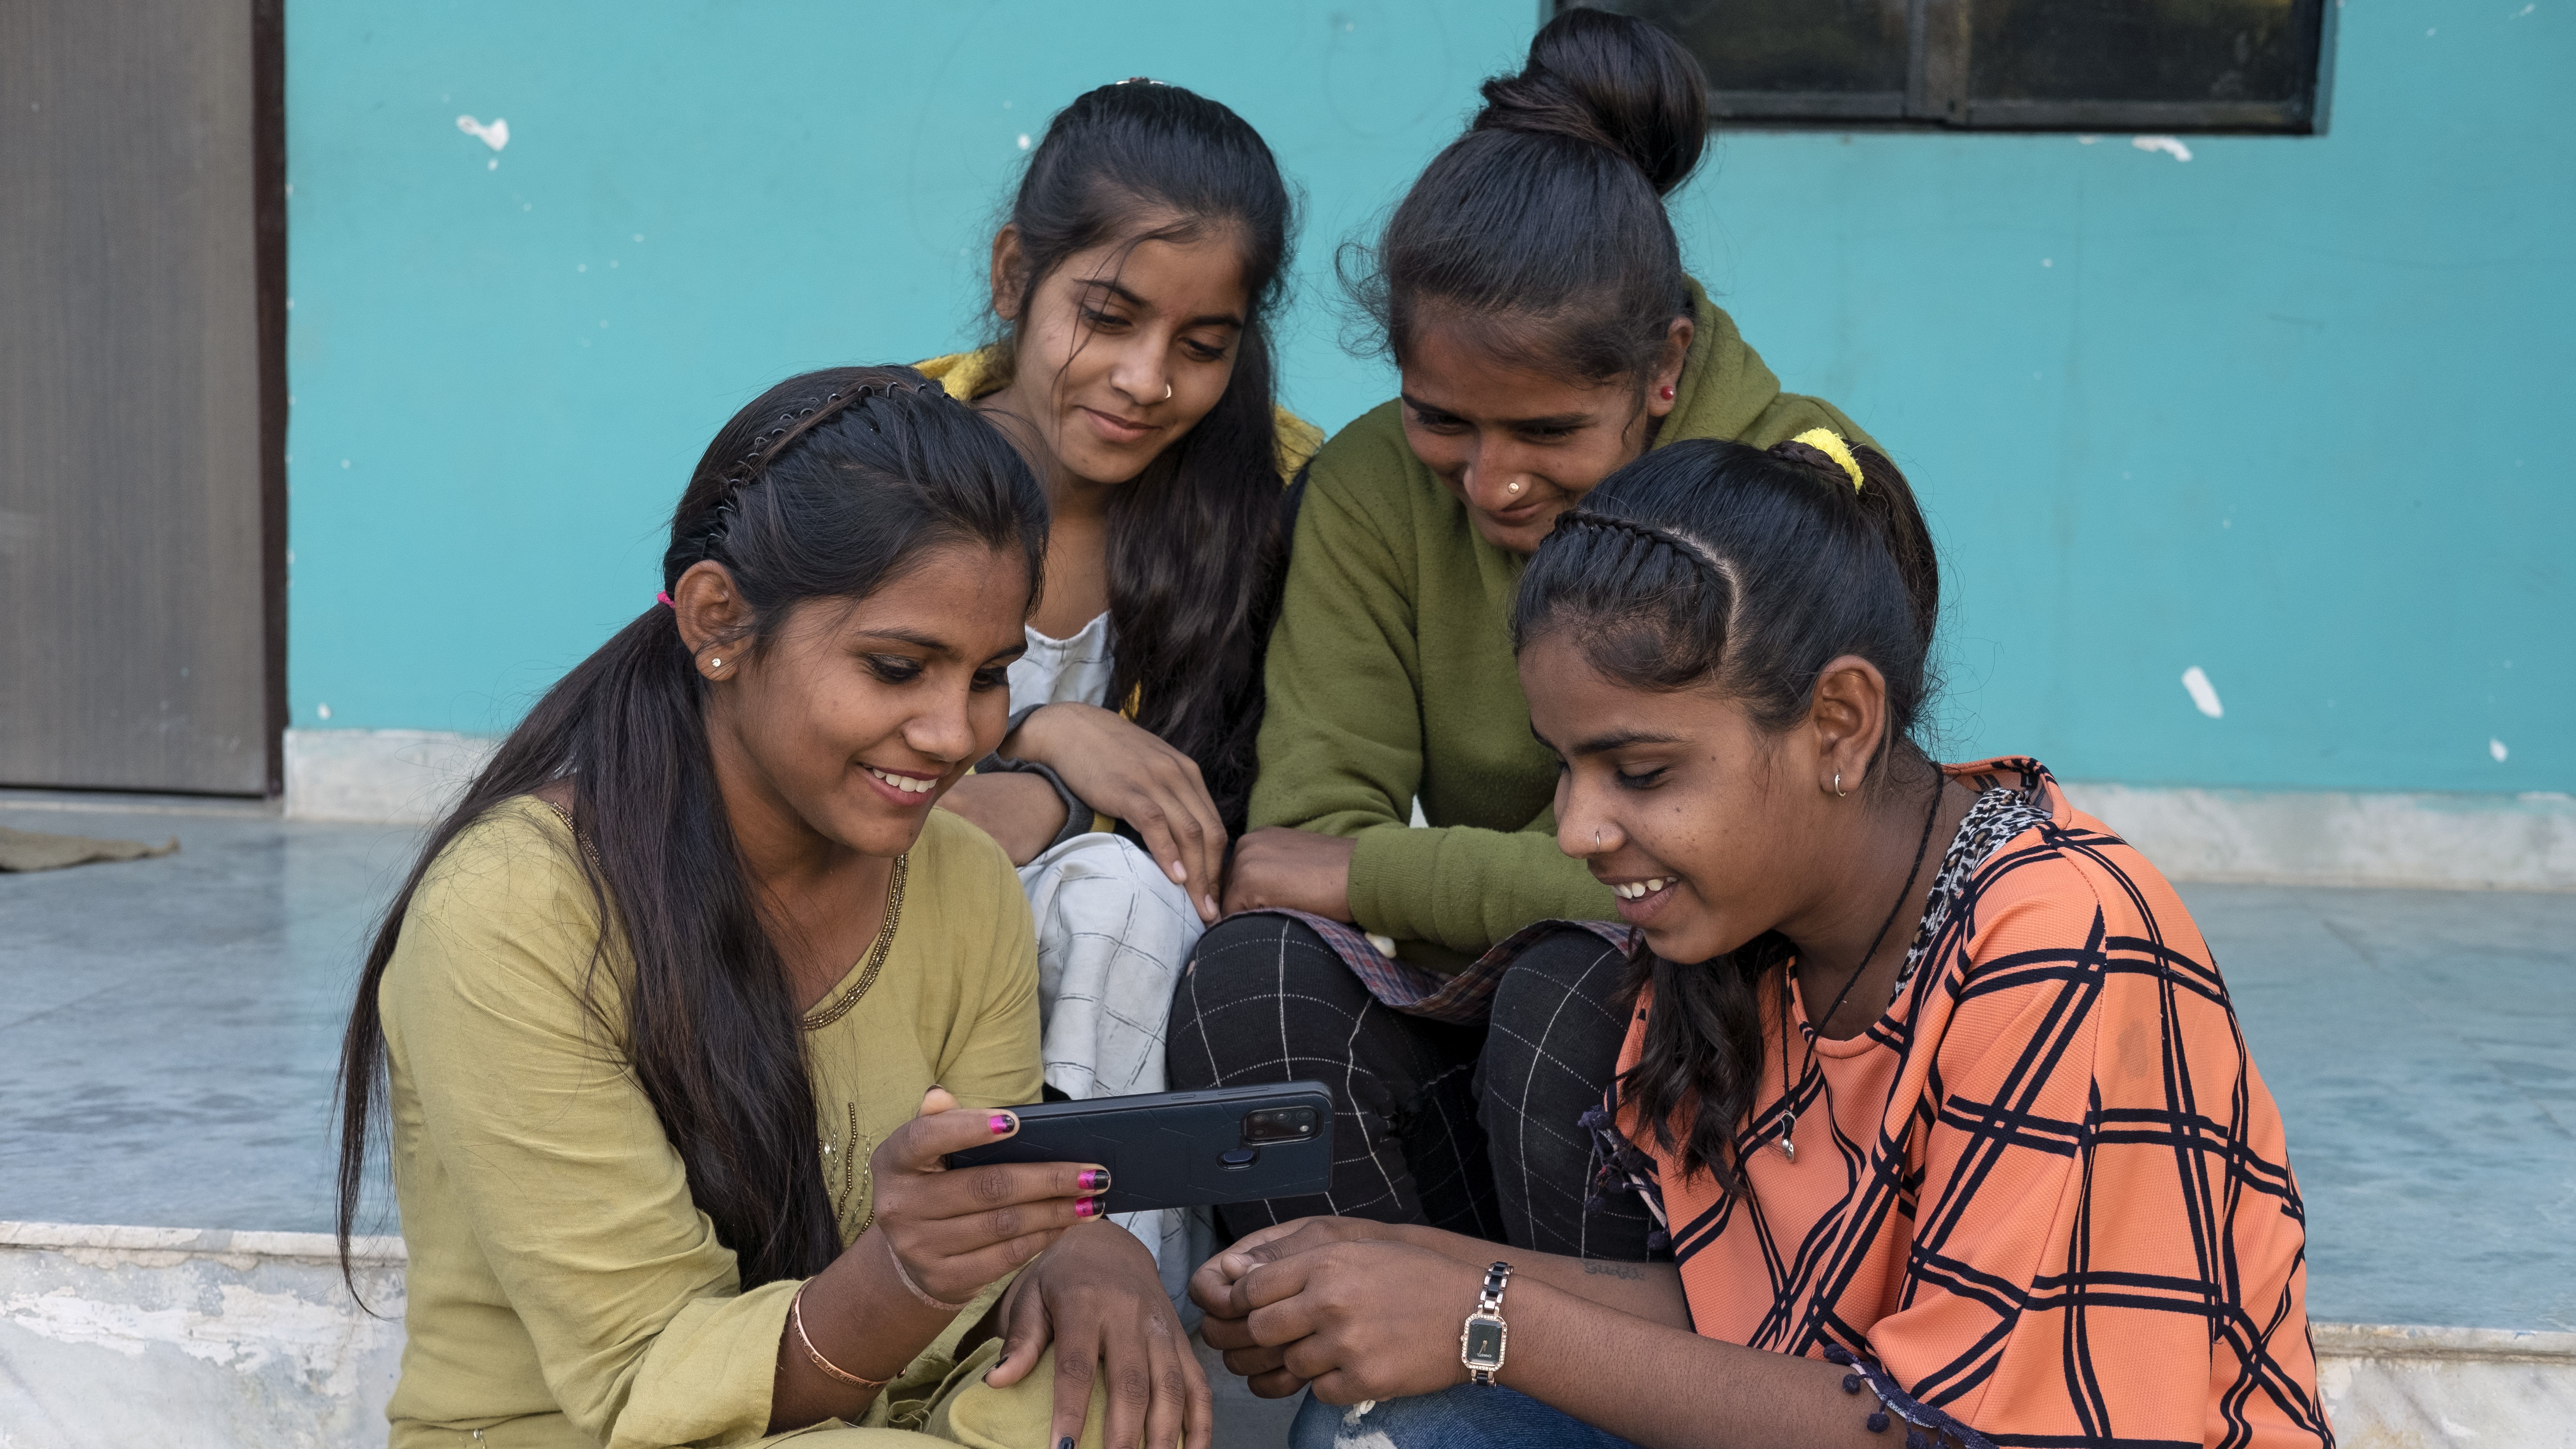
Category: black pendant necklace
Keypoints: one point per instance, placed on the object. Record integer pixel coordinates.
(1816, 1025)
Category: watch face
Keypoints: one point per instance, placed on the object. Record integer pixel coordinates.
(1484, 1341)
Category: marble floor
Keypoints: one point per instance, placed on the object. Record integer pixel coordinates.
(169, 1029)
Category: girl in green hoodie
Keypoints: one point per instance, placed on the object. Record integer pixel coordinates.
(1530, 289)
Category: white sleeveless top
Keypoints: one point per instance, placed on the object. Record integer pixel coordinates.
(1063, 671)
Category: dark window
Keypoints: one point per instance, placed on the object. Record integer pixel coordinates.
(2165, 65)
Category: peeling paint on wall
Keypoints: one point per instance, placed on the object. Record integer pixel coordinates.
(495, 135)
(2170, 145)
(2204, 695)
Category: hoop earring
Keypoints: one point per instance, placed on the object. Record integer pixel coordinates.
(1838, 786)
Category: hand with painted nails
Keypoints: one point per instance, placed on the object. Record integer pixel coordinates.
(950, 1233)
(1095, 1296)
(1127, 772)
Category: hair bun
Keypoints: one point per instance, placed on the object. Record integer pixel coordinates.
(1613, 81)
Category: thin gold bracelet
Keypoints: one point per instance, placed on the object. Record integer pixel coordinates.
(796, 1318)
(919, 1293)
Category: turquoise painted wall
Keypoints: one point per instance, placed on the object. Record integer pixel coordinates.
(2281, 412)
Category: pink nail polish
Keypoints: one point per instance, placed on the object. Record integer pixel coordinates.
(1001, 1123)
(1093, 1180)
(1086, 1207)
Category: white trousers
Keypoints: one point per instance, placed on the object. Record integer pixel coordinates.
(1113, 935)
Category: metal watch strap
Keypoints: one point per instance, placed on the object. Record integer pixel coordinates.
(1489, 1310)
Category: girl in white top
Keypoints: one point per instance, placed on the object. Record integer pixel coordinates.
(1133, 284)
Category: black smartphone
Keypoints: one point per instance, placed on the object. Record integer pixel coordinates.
(1182, 1149)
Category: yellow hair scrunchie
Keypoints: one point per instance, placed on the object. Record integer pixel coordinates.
(1831, 444)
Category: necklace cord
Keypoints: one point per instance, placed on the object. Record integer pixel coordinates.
(1816, 1025)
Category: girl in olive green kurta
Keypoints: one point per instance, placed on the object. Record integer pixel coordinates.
(549, 1224)
(689, 997)
(1531, 291)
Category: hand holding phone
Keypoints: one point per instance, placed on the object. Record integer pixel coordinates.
(1181, 1149)
(955, 1233)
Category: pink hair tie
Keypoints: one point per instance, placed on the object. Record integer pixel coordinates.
(664, 599)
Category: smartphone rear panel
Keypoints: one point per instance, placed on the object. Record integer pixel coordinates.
(1183, 1149)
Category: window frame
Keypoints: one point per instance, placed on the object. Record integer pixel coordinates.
(1937, 40)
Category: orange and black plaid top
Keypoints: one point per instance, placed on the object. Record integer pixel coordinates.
(2046, 1193)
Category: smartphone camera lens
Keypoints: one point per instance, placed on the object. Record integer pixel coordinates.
(1279, 1124)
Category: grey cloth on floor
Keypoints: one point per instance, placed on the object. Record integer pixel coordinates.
(32, 850)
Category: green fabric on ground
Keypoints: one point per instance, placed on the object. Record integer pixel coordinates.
(22, 850)
(1391, 676)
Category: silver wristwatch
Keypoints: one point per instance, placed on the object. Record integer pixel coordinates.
(1481, 1341)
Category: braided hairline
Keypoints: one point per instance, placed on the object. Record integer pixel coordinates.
(1685, 545)
(1702, 558)
(793, 428)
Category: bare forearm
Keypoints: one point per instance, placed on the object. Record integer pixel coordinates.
(1669, 1388)
(1021, 811)
(1649, 1291)
(859, 1316)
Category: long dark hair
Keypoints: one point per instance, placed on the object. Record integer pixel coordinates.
(1710, 564)
(826, 487)
(1196, 552)
(1542, 230)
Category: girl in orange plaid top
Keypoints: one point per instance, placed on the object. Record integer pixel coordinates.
(1951, 1143)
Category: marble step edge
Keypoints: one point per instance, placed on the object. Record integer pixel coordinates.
(154, 1247)
(148, 1247)
(2411, 1341)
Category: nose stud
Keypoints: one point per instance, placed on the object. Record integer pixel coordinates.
(1515, 487)
(1167, 392)
(1596, 842)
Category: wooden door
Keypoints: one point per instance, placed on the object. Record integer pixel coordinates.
(142, 408)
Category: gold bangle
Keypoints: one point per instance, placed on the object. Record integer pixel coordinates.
(796, 1319)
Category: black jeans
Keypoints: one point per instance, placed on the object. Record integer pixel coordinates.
(1462, 1127)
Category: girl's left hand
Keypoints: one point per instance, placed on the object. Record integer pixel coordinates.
(1296, 869)
(1096, 1297)
(1359, 1320)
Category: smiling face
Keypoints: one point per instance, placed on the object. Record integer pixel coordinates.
(1707, 828)
(1122, 348)
(853, 717)
(1517, 443)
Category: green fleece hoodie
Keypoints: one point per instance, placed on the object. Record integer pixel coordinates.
(1391, 676)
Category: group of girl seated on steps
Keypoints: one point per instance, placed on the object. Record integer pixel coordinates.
(1050, 718)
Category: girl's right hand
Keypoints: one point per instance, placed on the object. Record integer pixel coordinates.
(957, 1232)
(1127, 772)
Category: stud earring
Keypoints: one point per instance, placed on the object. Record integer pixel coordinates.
(1668, 392)
(719, 664)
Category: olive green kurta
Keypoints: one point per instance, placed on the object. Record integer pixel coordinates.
(564, 1290)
